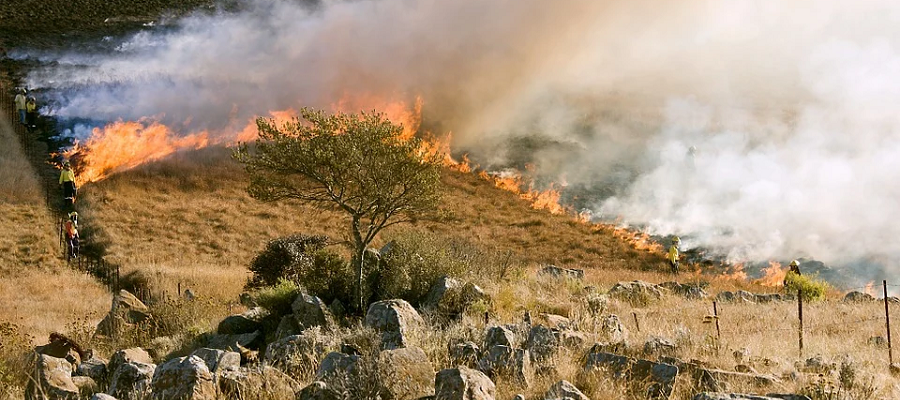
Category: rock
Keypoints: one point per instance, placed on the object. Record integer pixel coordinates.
(311, 311)
(51, 379)
(183, 378)
(507, 362)
(257, 383)
(657, 346)
(499, 336)
(336, 365)
(686, 290)
(557, 322)
(86, 386)
(519, 397)
(405, 373)
(394, 319)
(94, 368)
(737, 396)
(817, 365)
(572, 339)
(126, 311)
(450, 297)
(296, 354)
(563, 390)
(542, 343)
(102, 396)
(246, 322)
(463, 384)
(720, 380)
(877, 341)
(464, 354)
(656, 379)
(350, 349)
(745, 369)
(858, 297)
(61, 346)
(160, 347)
(318, 391)
(635, 292)
(557, 272)
(612, 330)
(740, 296)
(596, 304)
(189, 295)
(894, 369)
(134, 354)
(219, 361)
(767, 298)
(238, 343)
(131, 380)
(287, 327)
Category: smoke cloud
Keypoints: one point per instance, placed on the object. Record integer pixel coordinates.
(791, 106)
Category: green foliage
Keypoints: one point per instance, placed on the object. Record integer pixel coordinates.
(327, 276)
(811, 288)
(279, 297)
(415, 261)
(284, 258)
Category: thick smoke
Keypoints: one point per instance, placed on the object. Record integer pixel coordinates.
(792, 106)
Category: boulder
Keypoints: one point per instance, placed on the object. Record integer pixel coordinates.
(238, 343)
(507, 362)
(218, 361)
(463, 384)
(737, 396)
(720, 380)
(858, 297)
(767, 298)
(741, 296)
(563, 390)
(336, 365)
(465, 354)
(131, 380)
(658, 346)
(51, 379)
(160, 347)
(257, 383)
(287, 327)
(185, 378)
(612, 330)
(572, 339)
(817, 365)
(557, 322)
(499, 336)
(296, 354)
(450, 297)
(405, 373)
(656, 379)
(102, 396)
(86, 386)
(635, 292)
(558, 272)
(61, 346)
(246, 322)
(318, 390)
(542, 343)
(94, 368)
(311, 311)
(134, 354)
(394, 319)
(689, 291)
(126, 311)
(596, 304)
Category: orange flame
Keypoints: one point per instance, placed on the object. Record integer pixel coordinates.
(638, 239)
(773, 275)
(736, 272)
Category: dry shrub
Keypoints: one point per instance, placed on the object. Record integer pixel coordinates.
(284, 258)
(14, 347)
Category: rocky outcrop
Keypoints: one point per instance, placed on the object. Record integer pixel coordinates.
(256, 383)
(186, 378)
(563, 390)
(737, 396)
(499, 336)
(246, 322)
(218, 361)
(656, 379)
(296, 354)
(131, 380)
(507, 362)
(336, 365)
(311, 311)
(463, 384)
(126, 311)
(450, 297)
(405, 373)
(318, 390)
(689, 291)
(394, 319)
(635, 292)
(51, 379)
(464, 354)
(858, 297)
(542, 343)
(134, 354)
(558, 272)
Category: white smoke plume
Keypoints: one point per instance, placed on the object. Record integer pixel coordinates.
(792, 106)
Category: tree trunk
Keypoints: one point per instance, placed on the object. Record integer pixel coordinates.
(360, 261)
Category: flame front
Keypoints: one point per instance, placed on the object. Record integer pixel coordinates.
(773, 275)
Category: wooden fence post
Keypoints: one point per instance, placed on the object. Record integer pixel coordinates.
(718, 331)
(800, 315)
(887, 324)
(637, 324)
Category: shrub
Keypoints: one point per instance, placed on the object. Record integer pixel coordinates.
(279, 297)
(415, 260)
(811, 288)
(284, 257)
(14, 347)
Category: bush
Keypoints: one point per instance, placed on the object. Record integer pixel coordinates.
(14, 348)
(279, 297)
(811, 288)
(284, 258)
(415, 261)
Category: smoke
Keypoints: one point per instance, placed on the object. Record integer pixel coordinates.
(791, 105)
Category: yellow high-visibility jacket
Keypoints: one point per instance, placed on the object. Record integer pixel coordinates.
(20, 101)
(30, 106)
(673, 254)
(67, 175)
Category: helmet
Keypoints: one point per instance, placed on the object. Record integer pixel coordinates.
(66, 164)
(676, 239)
(73, 214)
(795, 263)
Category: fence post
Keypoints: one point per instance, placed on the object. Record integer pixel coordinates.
(800, 315)
(637, 324)
(887, 323)
(718, 331)
(179, 289)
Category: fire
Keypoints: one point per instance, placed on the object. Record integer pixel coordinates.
(736, 272)
(773, 275)
(870, 289)
(639, 240)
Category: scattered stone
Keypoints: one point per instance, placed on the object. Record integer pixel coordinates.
(238, 343)
(612, 329)
(542, 343)
(287, 327)
(394, 319)
(658, 379)
(94, 368)
(767, 298)
(102, 396)
(572, 339)
(131, 380)
(405, 373)
(246, 322)
(499, 336)
(183, 378)
(741, 296)
(52, 379)
(721, 380)
(86, 386)
(463, 384)
(336, 365)
(219, 361)
(295, 354)
(558, 272)
(318, 391)
(563, 390)
(687, 290)
(451, 298)
(557, 322)
(311, 311)
(508, 362)
(596, 304)
(817, 365)
(465, 354)
(250, 383)
(160, 347)
(858, 297)
(134, 354)
(737, 396)
(658, 346)
(635, 292)
(126, 311)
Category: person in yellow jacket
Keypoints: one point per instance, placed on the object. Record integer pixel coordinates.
(20, 105)
(31, 113)
(674, 254)
(67, 180)
(794, 269)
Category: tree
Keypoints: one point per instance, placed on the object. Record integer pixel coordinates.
(355, 163)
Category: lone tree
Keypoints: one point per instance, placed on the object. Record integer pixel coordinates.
(356, 163)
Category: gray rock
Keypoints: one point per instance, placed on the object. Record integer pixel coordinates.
(102, 396)
(318, 391)
(686, 290)
(183, 378)
(160, 347)
(246, 322)
(507, 362)
(51, 379)
(737, 396)
(657, 346)
(450, 297)
(612, 330)
(287, 327)
(463, 384)
(94, 368)
(635, 292)
(257, 383)
(556, 322)
(126, 310)
(236, 343)
(542, 343)
(405, 373)
(311, 311)
(563, 390)
(134, 354)
(464, 354)
(656, 379)
(131, 380)
(499, 336)
(394, 319)
(558, 272)
(858, 297)
(86, 386)
(219, 361)
(336, 365)
(296, 354)
(767, 298)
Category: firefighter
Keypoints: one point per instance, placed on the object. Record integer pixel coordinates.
(794, 269)
(673, 255)
(20, 105)
(67, 179)
(72, 238)
(31, 113)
